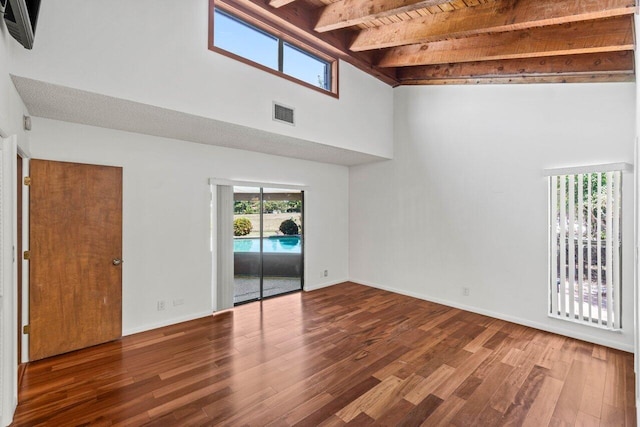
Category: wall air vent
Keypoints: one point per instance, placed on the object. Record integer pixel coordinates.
(283, 114)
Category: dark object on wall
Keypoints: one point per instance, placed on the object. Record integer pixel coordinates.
(21, 17)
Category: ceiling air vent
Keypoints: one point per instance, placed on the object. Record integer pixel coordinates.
(283, 114)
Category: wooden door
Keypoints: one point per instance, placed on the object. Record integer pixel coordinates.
(75, 290)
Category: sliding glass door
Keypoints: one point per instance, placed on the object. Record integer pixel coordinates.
(282, 241)
(268, 242)
(247, 256)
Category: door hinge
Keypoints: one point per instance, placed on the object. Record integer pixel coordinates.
(26, 255)
(25, 329)
(27, 180)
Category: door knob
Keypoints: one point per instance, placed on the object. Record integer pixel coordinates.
(117, 261)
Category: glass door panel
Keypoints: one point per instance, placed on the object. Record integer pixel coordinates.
(268, 242)
(282, 241)
(247, 255)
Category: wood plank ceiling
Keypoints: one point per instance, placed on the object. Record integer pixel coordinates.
(466, 41)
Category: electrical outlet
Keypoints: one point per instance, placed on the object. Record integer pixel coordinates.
(161, 305)
(325, 273)
(465, 292)
(177, 302)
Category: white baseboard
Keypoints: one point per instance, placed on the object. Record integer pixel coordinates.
(174, 320)
(308, 288)
(166, 322)
(501, 316)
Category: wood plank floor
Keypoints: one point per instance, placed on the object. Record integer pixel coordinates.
(347, 354)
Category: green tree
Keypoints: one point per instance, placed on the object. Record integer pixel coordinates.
(597, 196)
(246, 207)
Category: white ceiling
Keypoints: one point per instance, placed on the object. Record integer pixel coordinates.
(57, 102)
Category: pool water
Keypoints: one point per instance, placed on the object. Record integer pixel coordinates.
(273, 244)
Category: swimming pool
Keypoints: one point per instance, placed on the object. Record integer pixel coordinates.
(273, 244)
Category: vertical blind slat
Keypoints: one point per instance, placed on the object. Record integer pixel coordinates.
(599, 246)
(554, 280)
(609, 251)
(571, 213)
(580, 247)
(563, 244)
(616, 182)
(589, 239)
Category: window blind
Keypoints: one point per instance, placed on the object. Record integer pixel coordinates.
(585, 248)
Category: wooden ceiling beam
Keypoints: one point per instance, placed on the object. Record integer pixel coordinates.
(560, 78)
(347, 13)
(297, 21)
(503, 15)
(605, 66)
(608, 35)
(279, 3)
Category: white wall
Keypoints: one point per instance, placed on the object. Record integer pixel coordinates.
(464, 204)
(166, 215)
(11, 112)
(11, 106)
(155, 52)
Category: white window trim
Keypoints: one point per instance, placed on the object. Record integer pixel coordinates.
(599, 168)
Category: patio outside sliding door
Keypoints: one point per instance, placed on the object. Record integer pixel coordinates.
(268, 242)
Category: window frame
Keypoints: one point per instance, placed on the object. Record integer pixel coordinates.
(283, 37)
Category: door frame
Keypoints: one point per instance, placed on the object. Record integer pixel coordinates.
(213, 183)
(8, 291)
(24, 338)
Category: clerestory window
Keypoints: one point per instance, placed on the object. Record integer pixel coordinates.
(257, 46)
